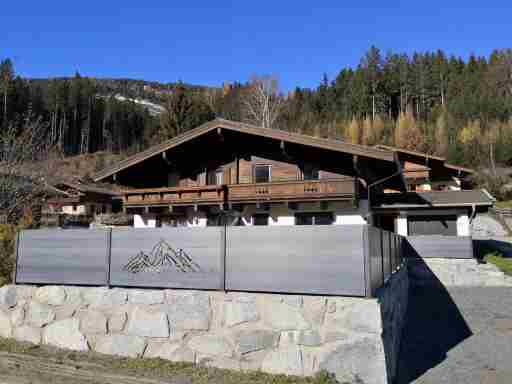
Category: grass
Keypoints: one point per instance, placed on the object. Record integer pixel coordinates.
(504, 264)
(504, 204)
(158, 368)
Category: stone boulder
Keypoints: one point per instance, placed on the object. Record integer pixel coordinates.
(104, 297)
(254, 340)
(121, 345)
(39, 314)
(5, 325)
(283, 317)
(93, 322)
(50, 294)
(28, 334)
(188, 311)
(286, 360)
(356, 359)
(363, 316)
(8, 296)
(65, 334)
(146, 297)
(240, 309)
(212, 345)
(146, 324)
(116, 322)
(17, 316)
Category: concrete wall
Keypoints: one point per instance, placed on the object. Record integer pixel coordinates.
(291, 334)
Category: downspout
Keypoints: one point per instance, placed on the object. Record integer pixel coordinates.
(473, 213)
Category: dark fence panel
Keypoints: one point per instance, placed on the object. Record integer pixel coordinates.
(302, 259)
(352, 260)
(386, 253)
(375, 257)
(168, 258)
(450, 247)
(62, 257)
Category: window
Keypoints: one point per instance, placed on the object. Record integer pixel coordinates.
(311, 172)
(262, 173)
(260, 219)
(215, 177)
(323, 218)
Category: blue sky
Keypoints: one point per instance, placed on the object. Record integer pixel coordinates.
(208, 42)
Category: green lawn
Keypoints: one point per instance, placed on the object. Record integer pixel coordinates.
(504, 264)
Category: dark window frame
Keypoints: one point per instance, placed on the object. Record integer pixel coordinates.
(269, 168)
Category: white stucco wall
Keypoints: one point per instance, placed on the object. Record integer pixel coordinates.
(349, 219)
(281, 220)
(401, 226)
(80, 210)
(463, 225)
(146, 221)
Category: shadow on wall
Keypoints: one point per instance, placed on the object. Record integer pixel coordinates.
(482, 247)
(434, 325)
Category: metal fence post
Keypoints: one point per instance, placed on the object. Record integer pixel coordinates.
(16, 253)
(109, 255)
(223, 252)
(381, 246)
(367, 263)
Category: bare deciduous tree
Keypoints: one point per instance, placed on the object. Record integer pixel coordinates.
(23, 145)
(262, 102)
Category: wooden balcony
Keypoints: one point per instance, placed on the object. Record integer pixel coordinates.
(301, 190)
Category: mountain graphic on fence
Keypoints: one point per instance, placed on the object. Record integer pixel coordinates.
(162, 258)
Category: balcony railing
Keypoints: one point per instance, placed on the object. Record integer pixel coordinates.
(301, 190)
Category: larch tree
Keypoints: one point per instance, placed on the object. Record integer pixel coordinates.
(353, 133)
(441, 134)
(407, 133)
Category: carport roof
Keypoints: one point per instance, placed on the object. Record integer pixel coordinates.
(477, 197)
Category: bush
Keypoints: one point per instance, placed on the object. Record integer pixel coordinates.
(7, 260)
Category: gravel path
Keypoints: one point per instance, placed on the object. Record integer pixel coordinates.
(458, 335)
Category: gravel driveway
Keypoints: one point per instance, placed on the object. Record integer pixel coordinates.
(458, 335)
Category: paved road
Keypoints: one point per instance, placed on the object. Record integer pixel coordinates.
(458, 335)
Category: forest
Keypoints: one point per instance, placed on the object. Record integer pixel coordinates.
(431, 102)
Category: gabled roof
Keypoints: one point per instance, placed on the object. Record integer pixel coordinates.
(327, 144)
(80, 188)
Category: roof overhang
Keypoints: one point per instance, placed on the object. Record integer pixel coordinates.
(364, 154)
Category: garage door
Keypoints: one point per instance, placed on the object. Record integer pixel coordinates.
(432, 225)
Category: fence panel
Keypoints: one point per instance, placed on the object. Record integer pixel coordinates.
(376, 275)
(302, 259)
(168, 258)
(62, 257)
(451, 247)
(386, 254)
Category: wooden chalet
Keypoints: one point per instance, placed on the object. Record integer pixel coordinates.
(239, 174)
(75, 198)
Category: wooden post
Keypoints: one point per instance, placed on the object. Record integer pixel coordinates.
(237, 170)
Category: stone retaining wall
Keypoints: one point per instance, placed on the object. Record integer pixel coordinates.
(456, 272)
(291, 334)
